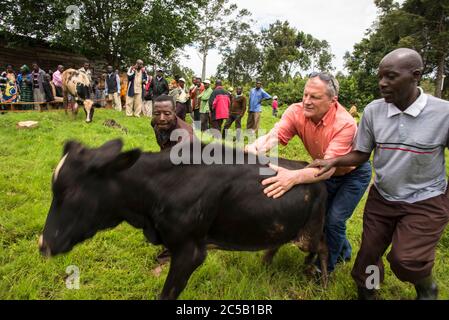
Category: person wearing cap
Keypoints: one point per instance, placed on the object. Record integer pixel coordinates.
(137, 78)
(195, 90)
(158, 86)
(256, 96)
(327, 131)
(274, 106)
(204, 105)
(181, 97)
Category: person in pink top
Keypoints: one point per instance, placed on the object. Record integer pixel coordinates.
(57, 80)
(327, 131)
(275, 106)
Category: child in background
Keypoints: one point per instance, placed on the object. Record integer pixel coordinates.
(275, 106)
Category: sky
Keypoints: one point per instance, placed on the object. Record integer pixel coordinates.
(342, 23)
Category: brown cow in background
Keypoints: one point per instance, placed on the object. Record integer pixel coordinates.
(77, 84)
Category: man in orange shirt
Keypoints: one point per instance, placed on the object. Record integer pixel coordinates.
(327, 131)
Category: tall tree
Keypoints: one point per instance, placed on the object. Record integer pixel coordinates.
(422, 25)
(287, 50)
(216, 22)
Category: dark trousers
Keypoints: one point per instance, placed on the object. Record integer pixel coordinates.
(344, 194)
(238, 124)
(181, 110)
(413, 230)
(205, 120)
(217, 124)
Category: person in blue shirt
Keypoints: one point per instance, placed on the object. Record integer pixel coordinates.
(256, 96)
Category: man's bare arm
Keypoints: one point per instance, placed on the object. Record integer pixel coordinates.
(354, 158)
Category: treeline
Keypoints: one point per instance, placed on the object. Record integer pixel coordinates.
(157, 31)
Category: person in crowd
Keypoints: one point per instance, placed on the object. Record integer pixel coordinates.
(112, 88)
(219, 104)
(38, 76)
(57, 80)
(204, 105)
(181, 98)
(24, 81)
(238, 109)
(159, 86)
(137, 78)
(275, 106)
(256, 96)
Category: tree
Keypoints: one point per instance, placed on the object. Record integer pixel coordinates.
(286, 50)
(215, 26)
(422, 25)
(119, 31)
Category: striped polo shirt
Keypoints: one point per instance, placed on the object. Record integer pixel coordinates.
(408, 147)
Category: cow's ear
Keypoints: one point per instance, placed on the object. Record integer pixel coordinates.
(124, 161)
(112, 147)
(71, 146)
(105, 154)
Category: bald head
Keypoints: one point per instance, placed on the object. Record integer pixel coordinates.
(404, 58)
(399, 74)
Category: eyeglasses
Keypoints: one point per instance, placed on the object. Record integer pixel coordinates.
(324, 76)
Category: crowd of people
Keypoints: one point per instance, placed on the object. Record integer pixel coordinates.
(210, 104)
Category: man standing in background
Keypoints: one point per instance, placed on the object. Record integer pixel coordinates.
(256, 96)
(137, 78)
(238, 109)
(112, 88)
(57, 80)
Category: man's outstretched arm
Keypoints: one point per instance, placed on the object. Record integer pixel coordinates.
(354, 158)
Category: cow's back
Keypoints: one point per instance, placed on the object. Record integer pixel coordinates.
(226, 204)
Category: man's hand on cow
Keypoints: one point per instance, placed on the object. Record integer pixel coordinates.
(323, 165)
(282, 182)
(250, 148)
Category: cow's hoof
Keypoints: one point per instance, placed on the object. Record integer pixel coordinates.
(89, 121)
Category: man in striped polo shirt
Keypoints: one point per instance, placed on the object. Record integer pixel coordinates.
(408, 206)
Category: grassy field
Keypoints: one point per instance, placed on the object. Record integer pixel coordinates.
(118, 264)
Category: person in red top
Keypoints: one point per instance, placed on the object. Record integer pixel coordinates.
(219, 104)
(275, 106)
(327, 131)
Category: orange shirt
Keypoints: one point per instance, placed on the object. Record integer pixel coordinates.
(332, 137)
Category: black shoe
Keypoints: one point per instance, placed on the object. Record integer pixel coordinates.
(366, 294)
(426, 289)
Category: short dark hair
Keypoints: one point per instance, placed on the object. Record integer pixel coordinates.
(164, 98)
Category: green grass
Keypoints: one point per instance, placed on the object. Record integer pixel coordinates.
(118, 264)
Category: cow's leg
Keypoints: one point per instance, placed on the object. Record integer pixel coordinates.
(65, 100)
(310, 259)
(184, 261)
(323, 257)
(269, 255)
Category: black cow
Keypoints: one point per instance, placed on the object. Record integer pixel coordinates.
(184, 207)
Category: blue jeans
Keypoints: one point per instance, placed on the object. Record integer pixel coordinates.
(344, 194)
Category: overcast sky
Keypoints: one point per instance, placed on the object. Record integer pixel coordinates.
(342, 23)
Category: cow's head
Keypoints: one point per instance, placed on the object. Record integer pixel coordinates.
(89, 108)
(85, 194)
